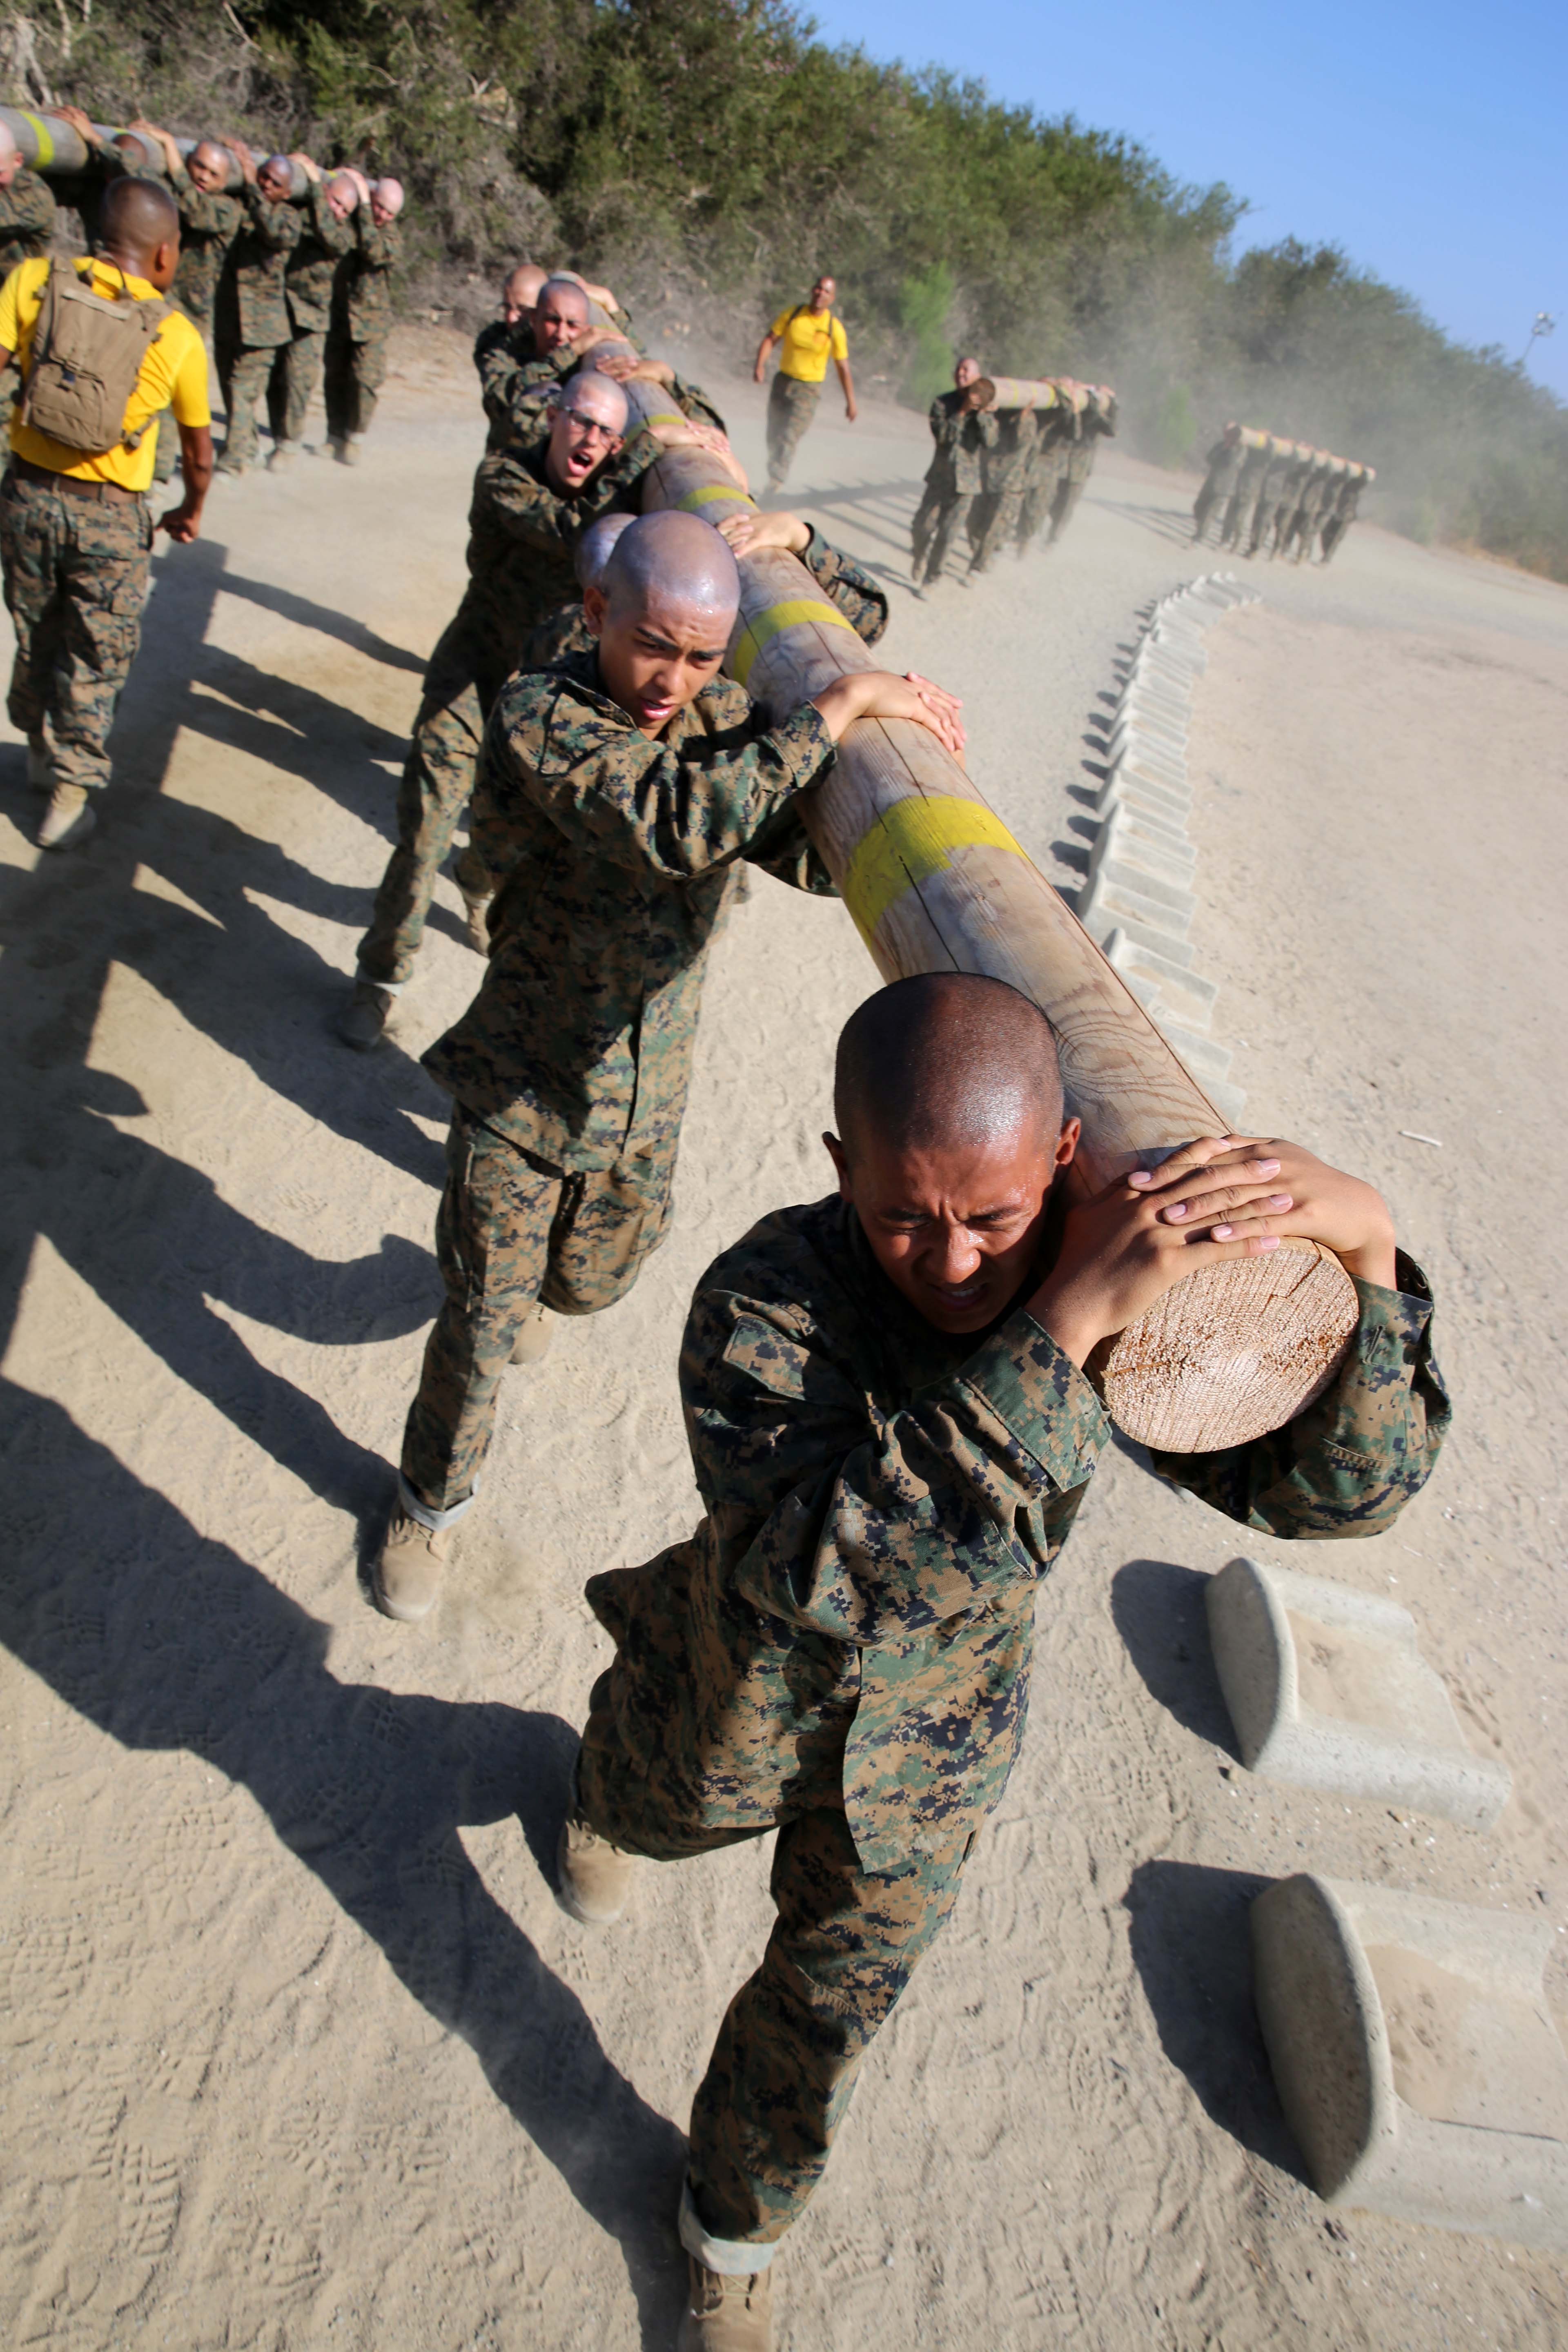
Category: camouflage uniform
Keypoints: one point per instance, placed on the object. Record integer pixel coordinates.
(1054, 430)
(1277, 512)
(1341, 516)
(27, 213)
(574, 1058)
(362, 321)
(947, 418)
(1318, 490)
(1225, 463)
(1004, 463)
(308, 285)
(522, 540)
(208, 223)
(514, 382)
(842, 1650)
(792, 404)
(252, 317)
(1237, 529)
(1095, 423)
(76, 557)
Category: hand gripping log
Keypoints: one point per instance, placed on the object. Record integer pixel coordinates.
(49, 144)
(935, 882)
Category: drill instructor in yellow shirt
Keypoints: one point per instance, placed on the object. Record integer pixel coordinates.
(810, 335)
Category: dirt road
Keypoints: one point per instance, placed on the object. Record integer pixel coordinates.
(301, 2052)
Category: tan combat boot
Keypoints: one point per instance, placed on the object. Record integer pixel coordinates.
(366, 1018)
(349, 449)
(68, 819)
(532, 1341)
(727, 2315)
(283, 455)
(593, 1877)
(476, 929)
(406, 1579)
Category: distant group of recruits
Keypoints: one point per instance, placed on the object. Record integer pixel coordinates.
(1265, 496)
(1004, 476)
(286, 289)
(892, 1432)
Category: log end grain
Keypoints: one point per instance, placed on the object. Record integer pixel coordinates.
(1233, 1351)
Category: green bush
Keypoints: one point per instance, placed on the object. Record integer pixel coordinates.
(1178, 429)
(924, 305)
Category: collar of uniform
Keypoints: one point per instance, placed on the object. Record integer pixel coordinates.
(711, 707)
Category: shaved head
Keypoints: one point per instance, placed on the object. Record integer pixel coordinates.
(947, 1060)
(566, 293)
(136, 217)
(342, 195)
(521, 289)
(588, 394)
(595, 547)
(676, 558)
(386, 199)
(209, 155)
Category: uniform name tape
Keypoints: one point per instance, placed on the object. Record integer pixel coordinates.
(766, 626)
(908, 842)
(708, 492)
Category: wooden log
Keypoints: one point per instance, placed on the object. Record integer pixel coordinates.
(49, 145)
(935, 882)
(1025, 392)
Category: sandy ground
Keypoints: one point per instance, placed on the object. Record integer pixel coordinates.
(301, 2052)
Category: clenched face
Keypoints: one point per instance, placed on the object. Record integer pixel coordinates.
(561, 313)
(588, 428)
(208, 168)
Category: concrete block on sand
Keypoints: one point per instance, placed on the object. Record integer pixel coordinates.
(1104, 925)
(1328, 1690)
(1126, 833)
(1416, 2060)
(1230, 1102)
(1186, 996)
(1204, 1059)
(1104, 904)
(1144, 871)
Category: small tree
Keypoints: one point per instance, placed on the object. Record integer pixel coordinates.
(1176, 431)
(924, 304)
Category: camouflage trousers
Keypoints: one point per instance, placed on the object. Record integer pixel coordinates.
(292, 384)
(1064, 505)
(437, 784)
(1273, 517)
(994, 522)
(792, 404)
(1039, 497)
(245, 375)
(845, 1944)
(1334, 530)
(1206, 504)
(513, 1231)
(1236, 530)
(76, 568)
(355, 373)
(939, 518)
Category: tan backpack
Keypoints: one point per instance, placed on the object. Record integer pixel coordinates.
(87, 351)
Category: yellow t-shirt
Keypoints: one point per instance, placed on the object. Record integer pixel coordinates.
(809, 342)
(172, 374)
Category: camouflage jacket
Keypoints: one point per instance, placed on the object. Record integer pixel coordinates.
(616, 853)
(312, 268)
(947, 420)
(251, 294)
(522, 546)
(362, 296)
(512, 370)
(1054, 437)
(1224, 463)
(1320, 493)
(883, 1501)
(28, 211)
(862, 600)
(1004, 456)
(208, 225)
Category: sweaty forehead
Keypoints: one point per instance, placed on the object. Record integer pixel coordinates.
(693, 621)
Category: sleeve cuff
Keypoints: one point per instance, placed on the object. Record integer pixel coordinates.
(804, 745)
(1402, 1314)
(1039, 1392)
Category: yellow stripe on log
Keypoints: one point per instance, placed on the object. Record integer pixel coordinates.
(792, 614)
(46, 137)
(705, 495)
(908, 842)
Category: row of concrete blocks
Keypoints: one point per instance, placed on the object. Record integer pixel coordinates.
(1416, 2057)
(1140, 897)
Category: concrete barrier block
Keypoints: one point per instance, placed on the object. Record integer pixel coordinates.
(1230, 1102)
(1165, 944)
(1134, 836)
(1104, 903)
(1147, 873)
(1327, 1689)
(1416, 2060)
(1186, 996)
(1168, 775)
(1161, 733)
(1162, 828)
(1203, 1058)
(1132, 795)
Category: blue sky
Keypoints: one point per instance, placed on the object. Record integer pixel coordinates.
(1430, 141)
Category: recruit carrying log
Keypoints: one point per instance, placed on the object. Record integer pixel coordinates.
(49, 145)
(936, 882)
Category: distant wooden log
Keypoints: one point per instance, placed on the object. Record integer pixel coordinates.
(935, 882)
(1025, 392)
(49, 145)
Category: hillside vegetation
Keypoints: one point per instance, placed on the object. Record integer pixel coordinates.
(709, 155)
